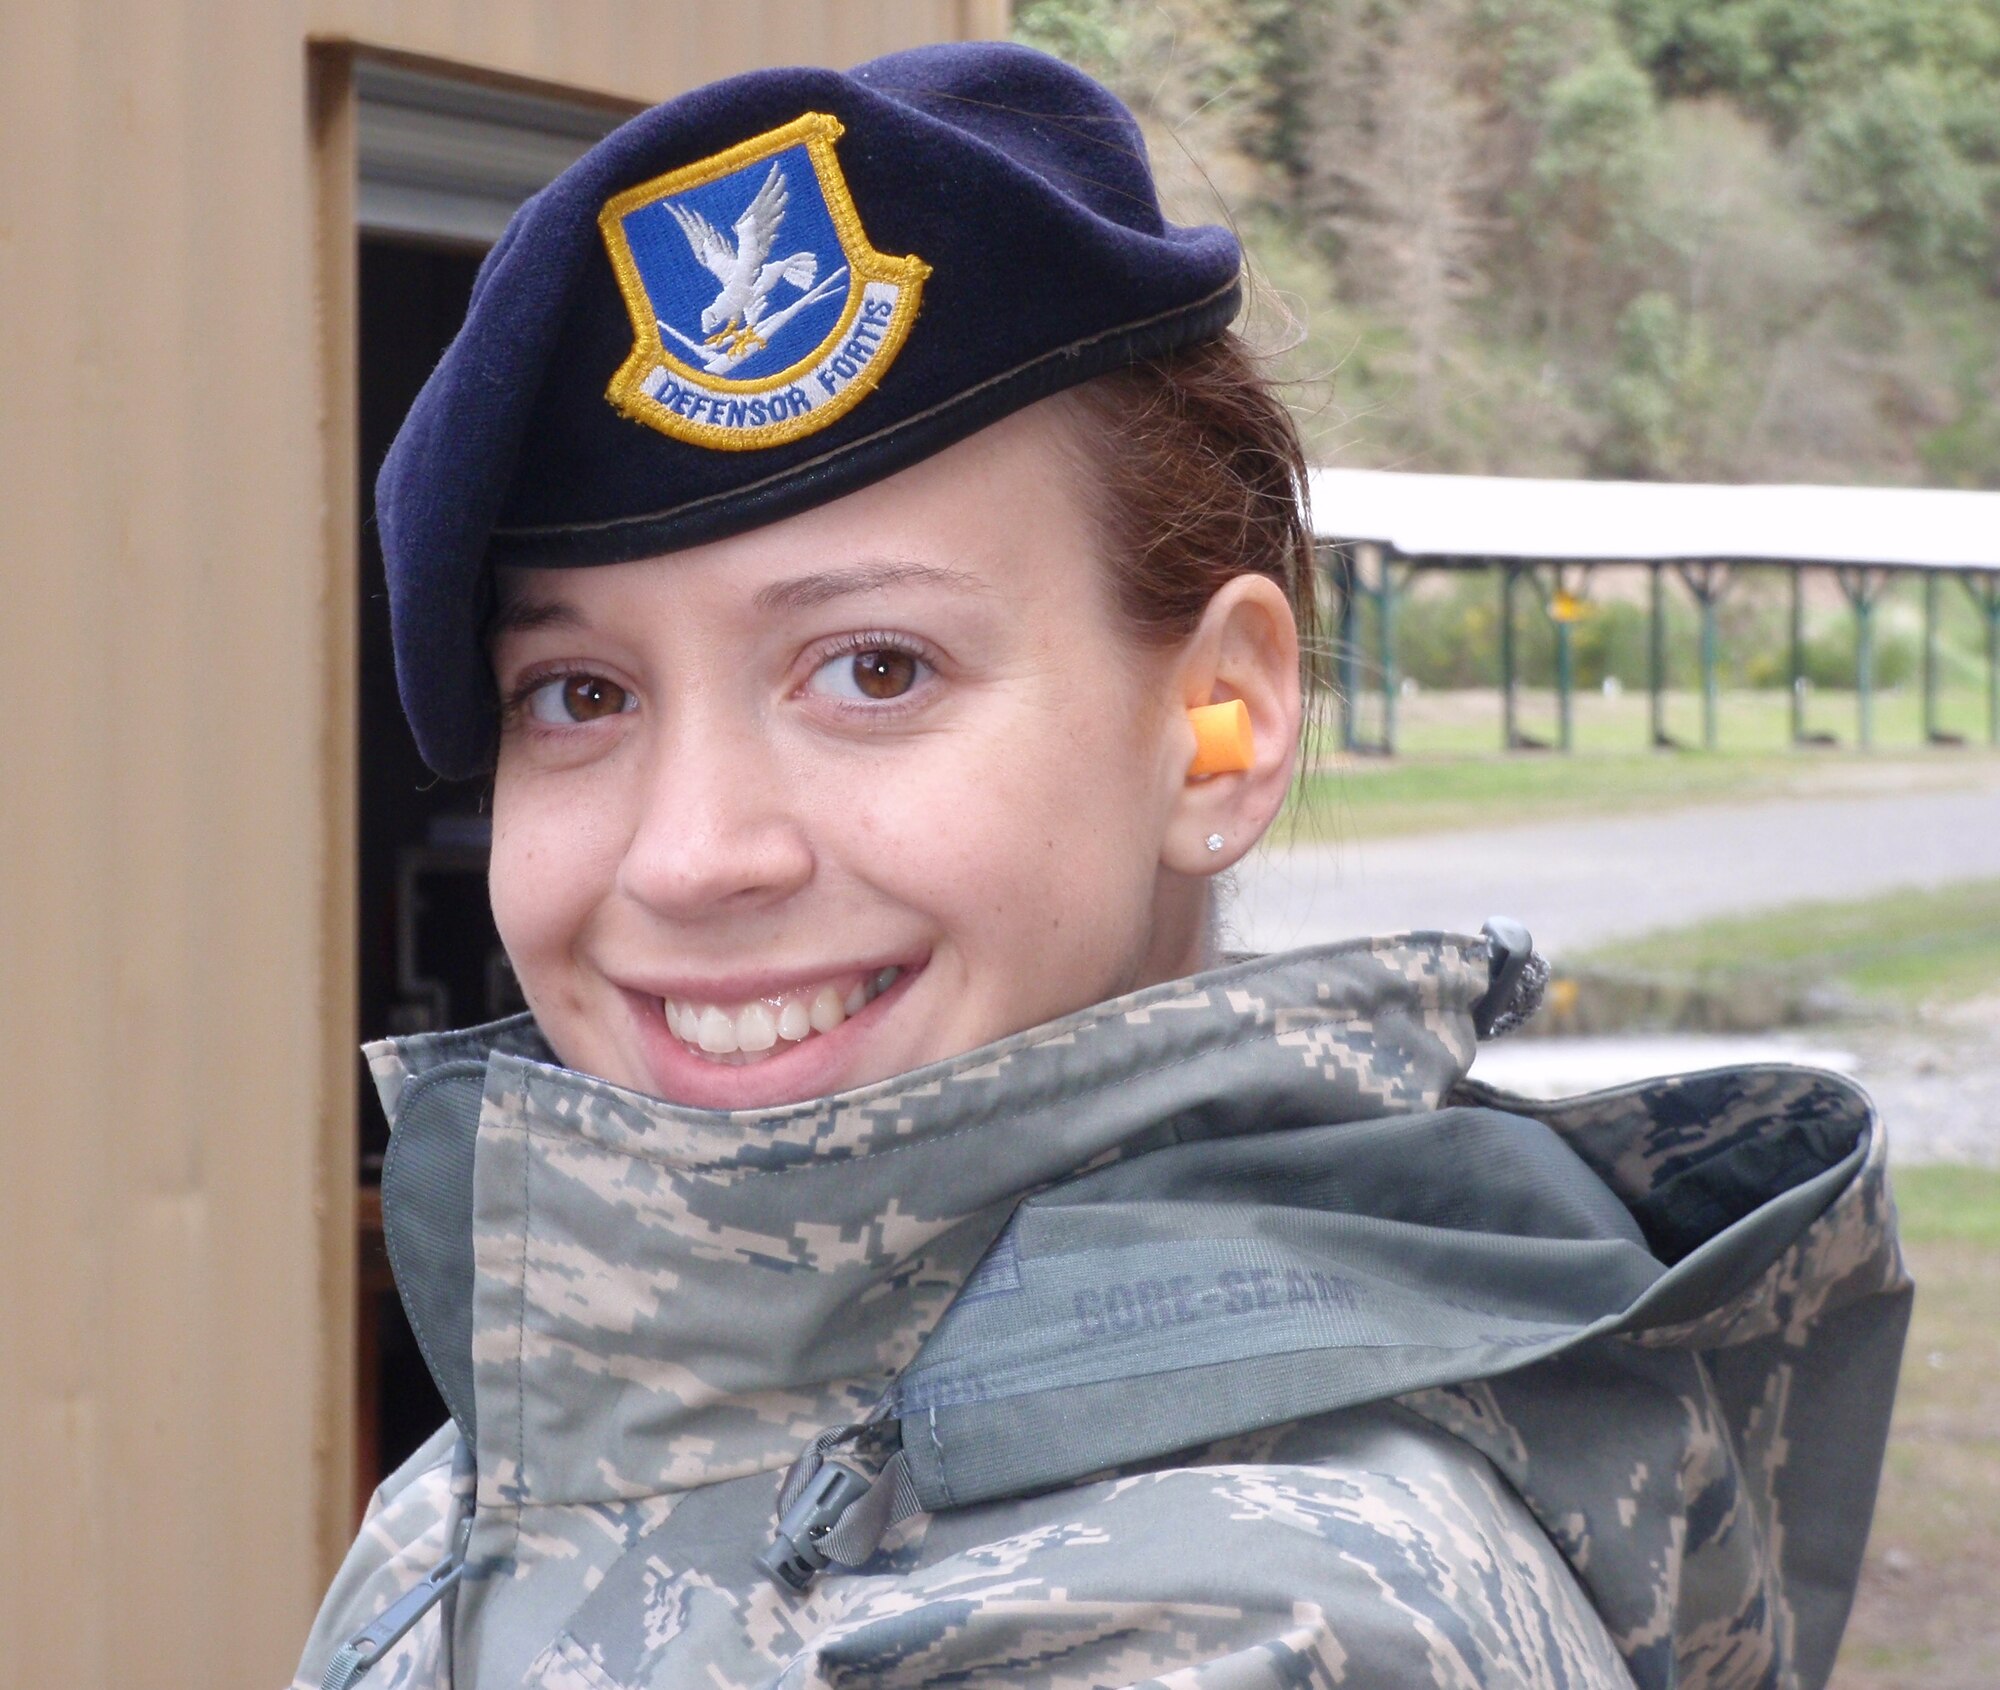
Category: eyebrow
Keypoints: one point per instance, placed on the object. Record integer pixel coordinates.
(802, 592)
(514, 616)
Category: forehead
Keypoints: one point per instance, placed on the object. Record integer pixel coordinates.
(999, 516)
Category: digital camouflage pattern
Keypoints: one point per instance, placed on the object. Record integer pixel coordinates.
(668, 1304)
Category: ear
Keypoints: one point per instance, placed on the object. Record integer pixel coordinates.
(1247, 647)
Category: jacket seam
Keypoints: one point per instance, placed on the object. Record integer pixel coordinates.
(521, 1338)
(937, 1458)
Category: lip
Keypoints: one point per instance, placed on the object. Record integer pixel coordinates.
(812, 1068)
(738, 989)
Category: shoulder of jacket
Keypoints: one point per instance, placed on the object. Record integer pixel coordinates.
(426, 1472)
(402, 1537)
(1378, 1551)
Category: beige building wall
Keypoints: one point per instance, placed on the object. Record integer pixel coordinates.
(177, 507)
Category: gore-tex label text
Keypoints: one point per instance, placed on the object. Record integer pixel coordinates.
(1145, 1305)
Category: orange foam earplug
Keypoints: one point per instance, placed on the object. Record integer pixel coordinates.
(1222, 742)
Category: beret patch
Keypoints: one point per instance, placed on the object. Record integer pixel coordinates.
(760, 313)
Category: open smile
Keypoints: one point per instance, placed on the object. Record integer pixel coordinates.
(753, 1044)
(750, 1032)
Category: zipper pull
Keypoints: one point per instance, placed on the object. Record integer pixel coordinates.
(386, 1629)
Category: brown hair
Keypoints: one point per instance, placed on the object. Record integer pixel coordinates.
(1197, 475)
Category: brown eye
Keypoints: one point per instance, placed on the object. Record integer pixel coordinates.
(884, 674)
(876, 674)
(587, 697)
(569, 700)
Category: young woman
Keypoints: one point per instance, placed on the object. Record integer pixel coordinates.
(898, 1248)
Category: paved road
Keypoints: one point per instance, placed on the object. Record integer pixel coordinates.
(1581, 882)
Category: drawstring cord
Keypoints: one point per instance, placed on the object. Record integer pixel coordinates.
(838, 1510)
(374, 1640)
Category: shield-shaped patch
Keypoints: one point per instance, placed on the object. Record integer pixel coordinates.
(760, 313)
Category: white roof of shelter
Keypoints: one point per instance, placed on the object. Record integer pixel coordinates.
(1485, 516)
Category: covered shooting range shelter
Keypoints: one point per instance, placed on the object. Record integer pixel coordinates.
(1377, 528)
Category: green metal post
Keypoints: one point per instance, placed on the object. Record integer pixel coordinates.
(1861, 587)
(1798, 656)
(1343, 658)
(1985, 593)
(1864, 667)
(1711, 686)
(1932, 731)
(1565, 677)
(1656, 656)
(1993, 660)
(1385, 647)
(1707, 582)
(1510, 725)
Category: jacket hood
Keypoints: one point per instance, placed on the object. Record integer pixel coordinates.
(1669, 1316)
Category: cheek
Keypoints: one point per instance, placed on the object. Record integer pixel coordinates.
(1038, 846)
(547, 875)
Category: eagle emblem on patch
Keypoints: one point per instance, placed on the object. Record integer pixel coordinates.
(760, 313)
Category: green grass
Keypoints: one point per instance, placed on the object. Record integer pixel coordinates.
(1449, 772)
(1942, 1205)
(1750, 720)
(1930, 1587)
(1415, 795)
(1907, 947)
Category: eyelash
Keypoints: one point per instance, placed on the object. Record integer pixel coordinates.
(513, 706)
(847, 645)
(871, 641)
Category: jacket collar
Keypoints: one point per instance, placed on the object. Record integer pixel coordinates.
(664, 1297)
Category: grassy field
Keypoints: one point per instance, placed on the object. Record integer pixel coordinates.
(1449, 772)
(1908, 948)
(1928, 1614)
(1468, 722)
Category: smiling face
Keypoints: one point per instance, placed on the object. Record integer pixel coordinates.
(859, 790)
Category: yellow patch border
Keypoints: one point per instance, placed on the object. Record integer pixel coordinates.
(818, 130)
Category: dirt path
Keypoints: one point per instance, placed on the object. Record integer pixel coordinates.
(1583, 882)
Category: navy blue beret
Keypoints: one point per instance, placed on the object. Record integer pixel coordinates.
(760, 296)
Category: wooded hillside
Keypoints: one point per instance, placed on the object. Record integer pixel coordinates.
(1702, 239)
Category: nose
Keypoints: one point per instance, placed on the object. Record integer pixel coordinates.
(714, 833)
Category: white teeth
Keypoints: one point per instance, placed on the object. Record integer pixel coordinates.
(826, 1012)
(756, 1028)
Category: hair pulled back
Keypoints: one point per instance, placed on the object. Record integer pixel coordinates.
(1195, 474)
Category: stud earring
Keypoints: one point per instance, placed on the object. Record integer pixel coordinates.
(1213, 842)
(1222, 739)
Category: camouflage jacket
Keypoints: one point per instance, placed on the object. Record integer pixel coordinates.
(1458, 1389)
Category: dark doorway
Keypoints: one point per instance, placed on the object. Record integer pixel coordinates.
(428, 956)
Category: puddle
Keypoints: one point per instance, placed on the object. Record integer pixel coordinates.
(1560, 1067)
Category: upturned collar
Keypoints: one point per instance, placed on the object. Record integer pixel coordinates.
(657, 1297)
